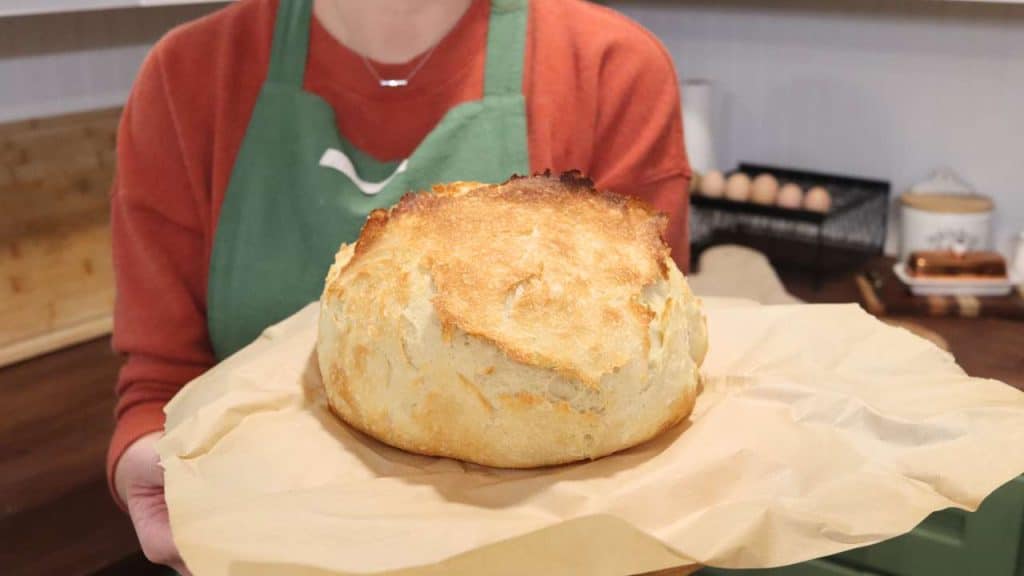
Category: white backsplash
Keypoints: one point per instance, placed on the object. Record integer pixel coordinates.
(888, 89)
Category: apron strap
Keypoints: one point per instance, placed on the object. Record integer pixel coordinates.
(291, 42)
(506, 42)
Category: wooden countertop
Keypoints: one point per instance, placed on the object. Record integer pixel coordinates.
(56, 417)
(56, 516)
(984, 347)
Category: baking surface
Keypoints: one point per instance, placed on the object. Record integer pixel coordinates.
(852, 432)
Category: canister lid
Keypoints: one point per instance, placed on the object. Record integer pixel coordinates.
(945, 191)
(948, 203)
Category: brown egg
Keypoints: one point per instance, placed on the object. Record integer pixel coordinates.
(765, 189)
(791, 196)
(737, 187)
(818, 199)
(712, 184)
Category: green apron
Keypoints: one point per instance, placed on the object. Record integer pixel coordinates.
(297, 190)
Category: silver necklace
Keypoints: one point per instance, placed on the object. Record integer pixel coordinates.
(398, 82)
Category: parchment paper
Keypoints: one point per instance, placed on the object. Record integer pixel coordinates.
(820, 429)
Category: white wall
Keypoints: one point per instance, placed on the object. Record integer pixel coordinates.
(883, 88)
(57, 63)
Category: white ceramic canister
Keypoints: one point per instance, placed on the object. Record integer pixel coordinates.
(944, 214)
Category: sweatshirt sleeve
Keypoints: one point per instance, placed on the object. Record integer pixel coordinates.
(160, 262)
(638, 144)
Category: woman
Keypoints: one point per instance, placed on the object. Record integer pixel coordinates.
(257, 139)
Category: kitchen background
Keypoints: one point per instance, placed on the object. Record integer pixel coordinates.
(889, 89)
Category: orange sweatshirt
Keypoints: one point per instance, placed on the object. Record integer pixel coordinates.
(601, 96)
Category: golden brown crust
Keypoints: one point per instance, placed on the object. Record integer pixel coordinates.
(517, 259)
(523, 324)
(373, 228)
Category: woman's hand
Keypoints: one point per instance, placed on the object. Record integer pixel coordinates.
(139, 481)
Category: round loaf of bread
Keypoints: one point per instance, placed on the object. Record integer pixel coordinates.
(524, 324)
